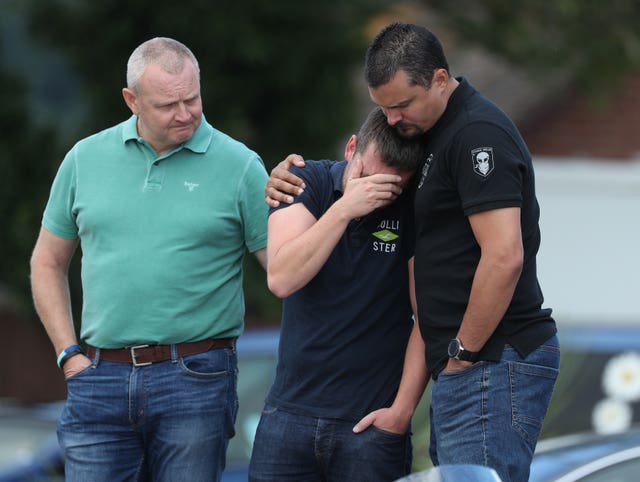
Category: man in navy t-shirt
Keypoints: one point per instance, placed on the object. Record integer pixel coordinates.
(341, 257)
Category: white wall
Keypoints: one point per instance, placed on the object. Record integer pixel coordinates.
(589, 259)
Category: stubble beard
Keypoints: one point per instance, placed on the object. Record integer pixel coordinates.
(408, 131)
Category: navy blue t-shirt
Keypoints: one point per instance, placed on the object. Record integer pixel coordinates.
(344, 334)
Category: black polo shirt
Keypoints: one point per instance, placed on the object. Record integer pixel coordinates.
(477, 161)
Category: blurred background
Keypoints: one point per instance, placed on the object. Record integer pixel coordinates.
(286, 76)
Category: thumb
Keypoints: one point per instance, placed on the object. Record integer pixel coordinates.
(364, 423)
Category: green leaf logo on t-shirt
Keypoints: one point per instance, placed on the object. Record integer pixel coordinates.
(385, 235)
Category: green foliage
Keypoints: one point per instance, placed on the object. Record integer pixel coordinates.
(25, 184)
(595, 43)
(275, 75)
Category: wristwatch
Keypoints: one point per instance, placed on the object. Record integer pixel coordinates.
(457, 351)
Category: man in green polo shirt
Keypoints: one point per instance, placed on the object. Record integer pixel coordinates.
(164, 207)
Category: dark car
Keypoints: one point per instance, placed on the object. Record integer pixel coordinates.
(454, 473)
(588, 457)
(257, 359)
(29, 448)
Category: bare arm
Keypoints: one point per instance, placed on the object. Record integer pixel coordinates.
(299, 245)
(415, 377)
(281, 182)
(50, 287)
(499, 235)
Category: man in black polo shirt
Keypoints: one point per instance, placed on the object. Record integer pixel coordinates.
(490, 347)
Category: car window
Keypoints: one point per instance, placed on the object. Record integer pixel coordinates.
(255, 376)
(627, 471)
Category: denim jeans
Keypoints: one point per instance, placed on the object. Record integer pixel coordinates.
(491, 413)
(297, 448)
(169, 421)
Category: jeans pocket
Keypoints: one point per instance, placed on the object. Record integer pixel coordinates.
(379, 455)
(79, 374)
(455, 373)
(210, 364)
(531, 390)
(386, 434)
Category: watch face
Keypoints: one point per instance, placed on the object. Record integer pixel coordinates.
(454, 348)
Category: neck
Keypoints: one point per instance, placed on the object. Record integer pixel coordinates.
(451, 86)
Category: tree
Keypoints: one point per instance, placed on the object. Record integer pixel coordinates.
(24, 185)
(275, 75)
(596, 43)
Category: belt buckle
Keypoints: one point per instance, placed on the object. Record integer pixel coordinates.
(133, 356)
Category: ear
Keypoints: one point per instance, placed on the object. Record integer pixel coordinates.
(131, 100)
(350, 148)
(440, 79)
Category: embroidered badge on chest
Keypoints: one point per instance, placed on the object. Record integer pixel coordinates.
(482, 159)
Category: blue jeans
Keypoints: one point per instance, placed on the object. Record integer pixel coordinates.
(169, 421)
(297, 448)
(491, 413)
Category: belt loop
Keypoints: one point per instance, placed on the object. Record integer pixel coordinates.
(174, 353)
(96, 357)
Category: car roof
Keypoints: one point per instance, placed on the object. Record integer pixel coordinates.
(559, 456)
(255, 342)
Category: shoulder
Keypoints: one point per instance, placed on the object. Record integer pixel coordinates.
(482, 123)
(320, 177)
(481, 116)
(225, 144)
(111, 136)
(314, 169)
(109, 143)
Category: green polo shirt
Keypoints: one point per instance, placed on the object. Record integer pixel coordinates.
(162, 237)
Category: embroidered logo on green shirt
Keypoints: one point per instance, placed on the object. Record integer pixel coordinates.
(385, 235)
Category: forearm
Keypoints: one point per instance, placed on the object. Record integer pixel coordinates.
(493, 286)
(415, 376)
(50, 287)
(52, 301)
(298, 260)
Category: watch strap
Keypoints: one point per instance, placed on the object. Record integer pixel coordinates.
(466, 355)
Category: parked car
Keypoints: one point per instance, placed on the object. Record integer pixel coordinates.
(588, 457)
(257, 359)
(29, 448)
(453, 473)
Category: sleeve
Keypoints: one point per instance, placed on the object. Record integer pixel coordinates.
(313, 175)
(59, 216)
(253, 207)
(487, 167)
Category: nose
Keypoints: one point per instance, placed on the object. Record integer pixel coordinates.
(182, 113)
(393, 116)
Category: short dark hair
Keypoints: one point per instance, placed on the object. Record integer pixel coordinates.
(395, 151)
(404, 46)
